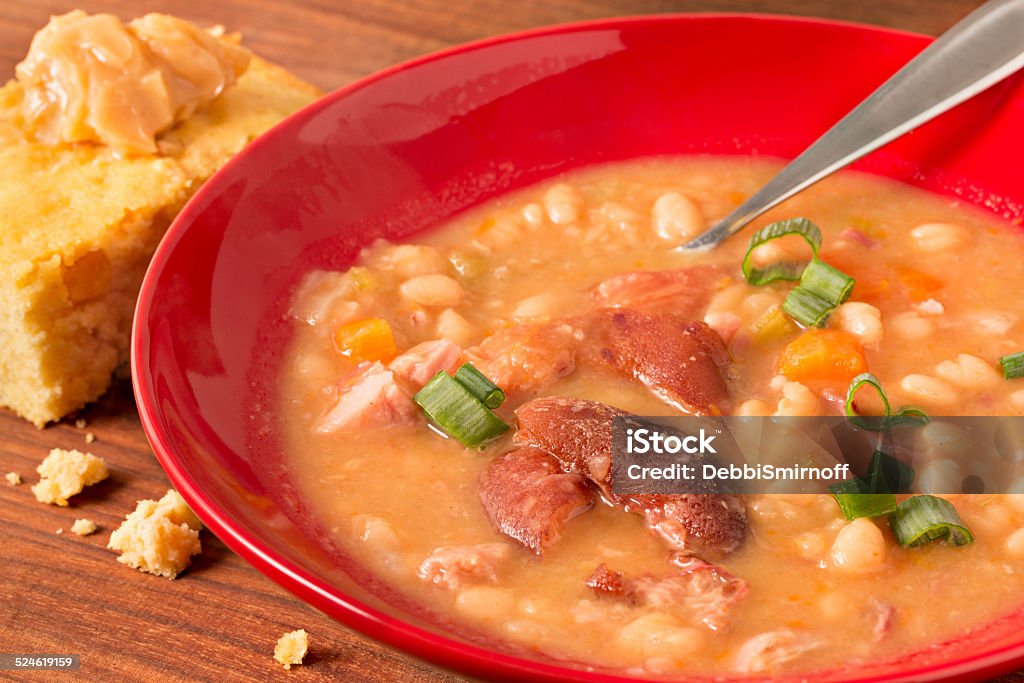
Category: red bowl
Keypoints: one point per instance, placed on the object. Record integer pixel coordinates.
(408, 148)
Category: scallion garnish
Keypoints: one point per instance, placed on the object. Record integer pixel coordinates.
(486, 391)
(873, 494)
(807, 308)
(821, 287)
(889, 474)
(782, 270)
(860, 498)
(923, 519)
(826, 282)
(1013, 365)
(453, 407)
(887, 419)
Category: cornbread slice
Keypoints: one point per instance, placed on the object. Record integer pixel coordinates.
(66, 473)
(83, 527)
(291, 648)
(159, 537)
(78, 226)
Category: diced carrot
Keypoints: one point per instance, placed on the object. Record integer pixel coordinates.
(823, 358)
(920, 286)
(369, 339)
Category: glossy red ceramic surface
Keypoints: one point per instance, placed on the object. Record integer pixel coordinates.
(406, 149)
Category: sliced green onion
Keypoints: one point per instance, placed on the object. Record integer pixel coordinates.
(486, 391)
(460, 414)
(887, 420)
(923, 519)
(1013, 365)
(807, 308)
(826, 282)
(889, 474)
(859, 498)
(783, 270)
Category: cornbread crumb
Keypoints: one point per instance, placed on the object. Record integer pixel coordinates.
(80, 423)
(291, 648)
(89, 437)
(13, 478)
(83, 527)
(159, 537)
(66, 473)
(60, 531)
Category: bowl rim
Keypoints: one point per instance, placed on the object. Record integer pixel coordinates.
(422, 643)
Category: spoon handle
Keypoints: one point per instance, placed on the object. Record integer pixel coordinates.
(980, 50)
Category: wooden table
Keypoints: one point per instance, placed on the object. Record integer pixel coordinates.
(219, 620)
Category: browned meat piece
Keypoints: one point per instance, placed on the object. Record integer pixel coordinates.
(452, 566)
(720, 521)
(685, 292)
(680, 361)
(369, 397)
(529, 498)
(527, 357)
(705, 590)
(604, 581)
(579, 434)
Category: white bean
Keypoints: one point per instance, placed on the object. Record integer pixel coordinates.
(540, 306)
(862, 320)
(729, 299)
(410, 260)
(968, 372)
(757, 304)
(724, 323)
(859, 547)
(677, 218)
(533, 214)
(810, 545)
(754, 408)
(455, 328)
(659, 634)
(432, 290)
(936, 237)
(911, 325)
(797, 400)
(929, 390)
(1015, 544)
(563, 203)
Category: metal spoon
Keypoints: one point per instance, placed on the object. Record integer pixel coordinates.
(979, 51)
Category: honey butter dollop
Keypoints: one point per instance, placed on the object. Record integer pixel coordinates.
(92, 78)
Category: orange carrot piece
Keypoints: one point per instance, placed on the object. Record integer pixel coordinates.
(920, 286)
(823, 358)
(369, 339)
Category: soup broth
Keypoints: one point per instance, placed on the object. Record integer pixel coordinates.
(930, 316)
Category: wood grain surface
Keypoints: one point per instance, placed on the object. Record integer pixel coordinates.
(60, 593)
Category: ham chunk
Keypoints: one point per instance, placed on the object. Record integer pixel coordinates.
(527, 357)
(420, 363)
(685, 292)
(529, 498)
(703, 590)
(678, 360)
(453, 566)
(578, 434)
(369, 398)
